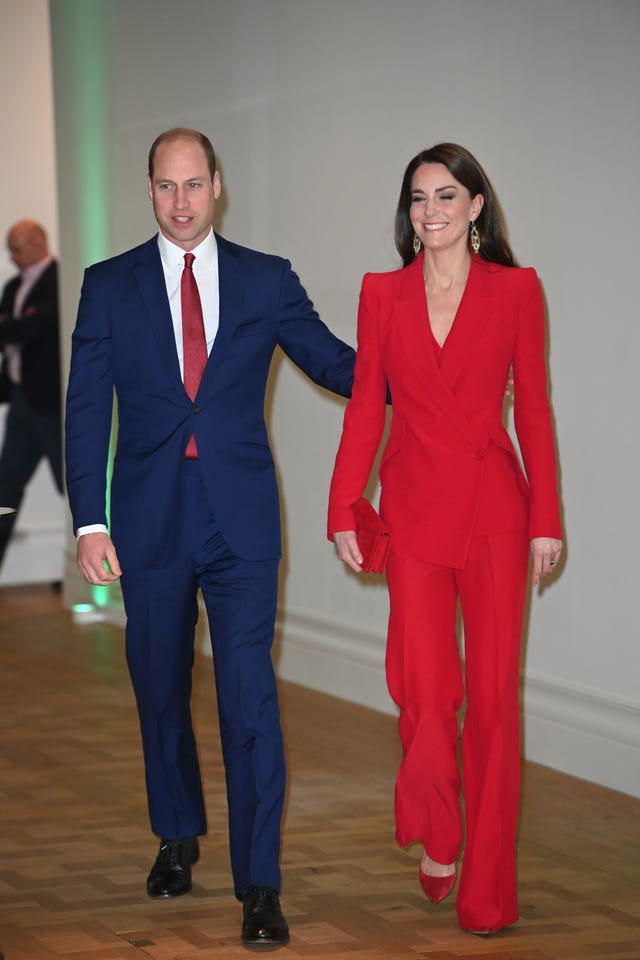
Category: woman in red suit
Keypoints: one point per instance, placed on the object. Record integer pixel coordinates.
(442, 333)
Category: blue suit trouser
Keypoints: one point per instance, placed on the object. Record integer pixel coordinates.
(240, 598)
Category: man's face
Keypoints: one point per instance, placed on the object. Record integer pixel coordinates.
(24, 249)
(183, 193)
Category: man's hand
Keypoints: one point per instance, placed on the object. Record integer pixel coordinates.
(97, 558)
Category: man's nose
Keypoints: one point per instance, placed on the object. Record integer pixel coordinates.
(180, 198)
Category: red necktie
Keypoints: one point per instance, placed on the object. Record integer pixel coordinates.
(194, 344)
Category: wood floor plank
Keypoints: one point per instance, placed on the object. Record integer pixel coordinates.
(76, 846)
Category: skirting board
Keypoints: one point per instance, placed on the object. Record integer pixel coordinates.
(565, 727)
(582, 733)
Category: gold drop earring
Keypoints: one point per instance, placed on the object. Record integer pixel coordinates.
(417, 244)
(474, 237)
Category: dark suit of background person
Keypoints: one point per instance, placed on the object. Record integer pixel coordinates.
(180, 524)
(461, 515)
(30, 376)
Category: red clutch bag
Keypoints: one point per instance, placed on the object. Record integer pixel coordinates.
(373, 538)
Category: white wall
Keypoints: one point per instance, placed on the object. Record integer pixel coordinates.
(315, 108)
(28, 178)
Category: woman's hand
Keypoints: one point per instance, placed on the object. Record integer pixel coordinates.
(546, 553)
(347, 549)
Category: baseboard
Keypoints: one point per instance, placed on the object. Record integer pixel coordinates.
(344, 662)
(582, 732)
(568, 728)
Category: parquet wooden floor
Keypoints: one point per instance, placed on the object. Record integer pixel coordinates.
(75, 846)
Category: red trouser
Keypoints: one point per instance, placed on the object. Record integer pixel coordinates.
(425, 679)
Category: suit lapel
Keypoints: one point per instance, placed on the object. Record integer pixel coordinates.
(231, 299)
(44, 277)
(12, 287)
(9, 297)
(410, 314)
(473, 312)
(149, 277)
(411, 320)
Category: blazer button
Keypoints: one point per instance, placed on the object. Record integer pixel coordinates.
(478, 455)
(197, 409)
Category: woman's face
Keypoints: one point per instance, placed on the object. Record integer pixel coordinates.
(441, 208)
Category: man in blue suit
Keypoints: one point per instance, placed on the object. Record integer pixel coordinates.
(194, 504)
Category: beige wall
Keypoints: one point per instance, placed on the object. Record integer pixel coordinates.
(315, 109)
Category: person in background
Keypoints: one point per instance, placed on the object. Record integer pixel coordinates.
(183, 328)
(30, 373)
(442, 333)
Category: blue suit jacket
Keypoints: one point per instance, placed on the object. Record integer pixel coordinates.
(124, 340)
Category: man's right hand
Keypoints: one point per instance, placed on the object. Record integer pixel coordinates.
(97, 558)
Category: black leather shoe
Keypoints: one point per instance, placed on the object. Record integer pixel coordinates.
(171, 873)
(263, 924)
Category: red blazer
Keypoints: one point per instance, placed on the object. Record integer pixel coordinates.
(449, 469)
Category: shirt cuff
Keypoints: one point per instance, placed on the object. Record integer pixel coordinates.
(91, 528)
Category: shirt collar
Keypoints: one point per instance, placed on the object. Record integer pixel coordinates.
(172, 256)
(33, 273)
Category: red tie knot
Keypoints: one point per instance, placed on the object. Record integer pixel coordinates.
(188, 261)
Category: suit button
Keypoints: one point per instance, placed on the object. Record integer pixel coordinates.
(197, 409)
(478, 455)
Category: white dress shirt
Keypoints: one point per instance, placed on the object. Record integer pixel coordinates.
(205, 270)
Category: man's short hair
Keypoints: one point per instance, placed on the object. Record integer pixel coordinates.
(184, 133)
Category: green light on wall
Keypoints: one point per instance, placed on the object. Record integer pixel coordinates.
(90, 122)
(84, 34)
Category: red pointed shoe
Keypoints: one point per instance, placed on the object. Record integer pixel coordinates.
(437, 888)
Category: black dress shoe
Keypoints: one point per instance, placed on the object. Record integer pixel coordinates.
(263, 924)
(171, 873)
